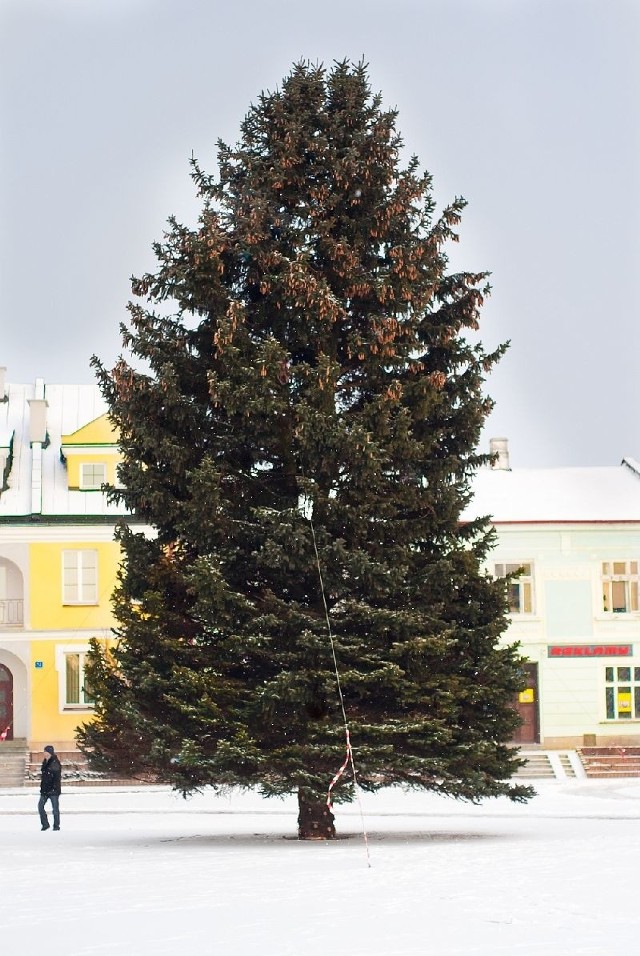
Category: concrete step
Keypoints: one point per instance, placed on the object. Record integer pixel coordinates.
(75, 771)
(566, 765)
(613, 765)
(13, 766)
(607, 751)
(537, 765)
(19, 767)
(17, 745)
(610, 761)
(550, 765)
(70, 760)
(610, 774)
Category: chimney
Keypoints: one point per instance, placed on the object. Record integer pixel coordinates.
(500, 447)
(3, 375)
(38, 414)
(38, 439)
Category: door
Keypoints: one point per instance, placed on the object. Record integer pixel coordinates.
(526, 703)
(6, 703)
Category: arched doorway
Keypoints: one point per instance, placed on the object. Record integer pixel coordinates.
(6, 703)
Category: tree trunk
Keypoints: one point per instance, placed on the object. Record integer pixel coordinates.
(315, 819)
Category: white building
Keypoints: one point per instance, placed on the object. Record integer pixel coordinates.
(575, 533)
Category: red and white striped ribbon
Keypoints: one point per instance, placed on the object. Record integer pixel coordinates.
(342, 769)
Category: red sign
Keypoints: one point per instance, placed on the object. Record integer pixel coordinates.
(590, 650)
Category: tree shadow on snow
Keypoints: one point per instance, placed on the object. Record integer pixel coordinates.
(254, 840)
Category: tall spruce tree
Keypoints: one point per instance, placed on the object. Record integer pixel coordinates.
(299, 422)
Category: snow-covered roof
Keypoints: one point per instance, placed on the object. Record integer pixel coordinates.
(38, 472)
(604, 494)
(522, 495)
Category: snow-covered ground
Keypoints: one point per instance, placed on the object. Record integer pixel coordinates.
(142, 872)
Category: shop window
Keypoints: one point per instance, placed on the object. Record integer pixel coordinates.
(520, 588)
(622, 692)
(92, 476)
(619, 586)
(80, 576)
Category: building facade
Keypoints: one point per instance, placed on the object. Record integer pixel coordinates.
(572, 535)
(58, 556)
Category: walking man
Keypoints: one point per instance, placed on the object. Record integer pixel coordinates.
(50, 777)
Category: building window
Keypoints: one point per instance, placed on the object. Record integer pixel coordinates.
(619, 586)
(77, 692)
(519, 589)
(74, 693)
(80, 577)
(622, 692)
(92, 476)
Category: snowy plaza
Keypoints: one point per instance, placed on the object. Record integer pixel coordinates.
(143, 872)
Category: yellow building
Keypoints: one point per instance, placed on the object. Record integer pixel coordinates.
(58, 556)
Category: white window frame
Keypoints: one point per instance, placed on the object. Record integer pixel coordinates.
(63, 651)
(620, 578)
(521, 586)
(92, 483)
(79, 576)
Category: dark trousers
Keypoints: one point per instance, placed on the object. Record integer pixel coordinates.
(55, 806)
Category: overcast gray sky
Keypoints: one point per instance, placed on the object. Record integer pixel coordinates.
(527, 108)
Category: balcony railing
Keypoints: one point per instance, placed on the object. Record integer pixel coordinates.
(11, 612)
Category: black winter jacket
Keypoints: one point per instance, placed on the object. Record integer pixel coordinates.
(51, 774)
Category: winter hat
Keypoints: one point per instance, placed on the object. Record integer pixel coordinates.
(49, 749)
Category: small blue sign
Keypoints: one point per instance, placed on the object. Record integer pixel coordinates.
(39, 663)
